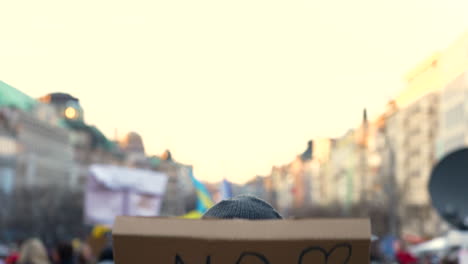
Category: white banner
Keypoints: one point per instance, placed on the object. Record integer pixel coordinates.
(143, 205)
(113, 191)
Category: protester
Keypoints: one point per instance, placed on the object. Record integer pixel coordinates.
(243, 207)
(375, 255)
(403, 256)
(451, 257)
(33, 252)
(428, 258)
(64, 254)
(12, 258)
(106, 256)
(84, 254)
(448, 260)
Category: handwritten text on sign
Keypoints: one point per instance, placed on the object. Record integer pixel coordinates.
(301, 258)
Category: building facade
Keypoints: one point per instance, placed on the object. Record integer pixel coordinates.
(344, 163)
(429, 124)
(412, 133)
(318, 172)
(180, 197)
(36, 169)
(453, 133)
(256, 187)
(415, 134)
(134, 150)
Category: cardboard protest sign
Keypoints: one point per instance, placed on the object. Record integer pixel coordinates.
(181, 241)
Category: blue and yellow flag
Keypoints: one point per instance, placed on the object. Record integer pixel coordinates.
(204, 198)
(193, 215)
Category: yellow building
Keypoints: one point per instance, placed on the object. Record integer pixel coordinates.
(422, 80)
(430, 112)
(454, 60)
(436, 72)
(453, 109)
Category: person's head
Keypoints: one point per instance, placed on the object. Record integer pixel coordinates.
(64, 252)
(243, 207)
(106, 255)
(33, 252)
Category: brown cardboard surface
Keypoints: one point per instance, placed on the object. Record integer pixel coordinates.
(181, 241)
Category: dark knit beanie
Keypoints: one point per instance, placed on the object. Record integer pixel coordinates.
(243, 207)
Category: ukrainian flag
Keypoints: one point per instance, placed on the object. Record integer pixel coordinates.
(204, 201)
(204, 198)
(193, 215)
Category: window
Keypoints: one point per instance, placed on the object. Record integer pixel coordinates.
(454, 115)
(7, 146)
(414, 152)
(414, 174)
(415, 130)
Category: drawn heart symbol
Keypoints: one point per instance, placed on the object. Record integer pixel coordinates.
(260, 257)
(327, 254)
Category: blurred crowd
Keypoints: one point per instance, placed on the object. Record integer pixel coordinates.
(403, 255)
(33, 251)
(98, 249)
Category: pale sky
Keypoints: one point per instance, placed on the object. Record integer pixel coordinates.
(232, 87)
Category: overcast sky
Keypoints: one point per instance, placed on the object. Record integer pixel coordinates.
(232, 87)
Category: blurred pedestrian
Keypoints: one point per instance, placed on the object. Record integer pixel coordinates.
(106, 256)
(12, 258)
(376, 256)
(4, 252)
(451, 257)
(13, 255)
(403, 256)
(426, 259)
(33, 252)
(84, 254)
(448, 260)
(64, 254)
(243, 207)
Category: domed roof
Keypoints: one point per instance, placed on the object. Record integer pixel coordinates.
(58, 98)
(133, 143)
